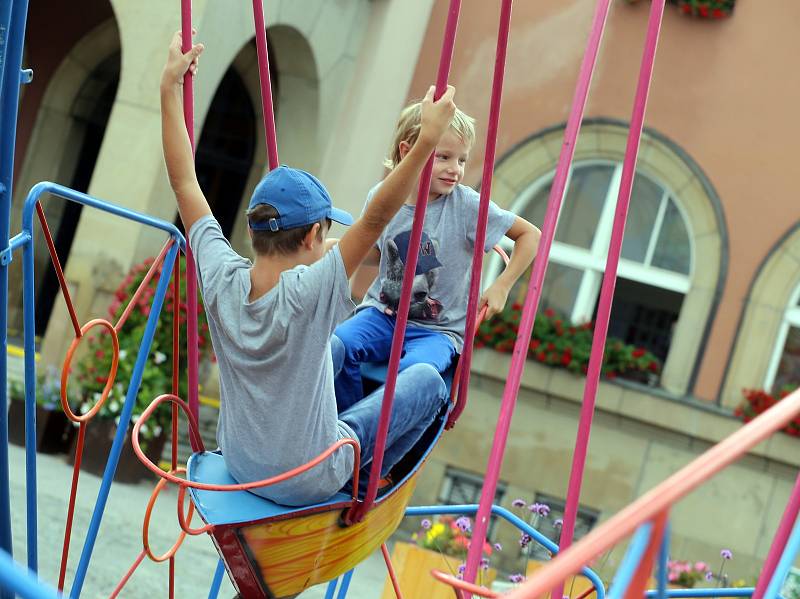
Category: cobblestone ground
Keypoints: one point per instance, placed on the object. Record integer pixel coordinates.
(120, 539)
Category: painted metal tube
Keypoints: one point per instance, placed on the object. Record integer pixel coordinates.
(475, 552)
(513, 519)
(702, 593)
(124, 421)
(330, 591)
(630, 563)
(16, 580)
(779, 540)
(610, 275)
(216, 583)
(785, 564)
(445, 60)
(13, 17)
(345, 584)
(29, 343)
(663, 558)
(266, 84)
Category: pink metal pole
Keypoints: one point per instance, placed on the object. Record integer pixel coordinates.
(537, 275)
(610, 276)
(191, 273)
(779, 542)
(411, 266)
(483, 212)
(476, 549)
(266, 84)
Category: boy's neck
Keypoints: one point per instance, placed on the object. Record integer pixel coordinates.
(266, 272)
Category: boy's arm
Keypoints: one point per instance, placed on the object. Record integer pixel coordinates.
(526, 242)
(399, 183)
(178, 155)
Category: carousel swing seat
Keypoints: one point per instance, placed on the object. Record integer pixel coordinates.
(273, 550)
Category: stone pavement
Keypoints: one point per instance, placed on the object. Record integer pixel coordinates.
(120, 539)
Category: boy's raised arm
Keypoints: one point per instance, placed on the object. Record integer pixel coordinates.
(178, 155)
(399, 183)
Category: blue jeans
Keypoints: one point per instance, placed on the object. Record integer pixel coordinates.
(420, 395)
(367, 337)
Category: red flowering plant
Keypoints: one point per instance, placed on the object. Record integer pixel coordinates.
(705, 9)
(93, 368)
(757, 401)
(557, 342)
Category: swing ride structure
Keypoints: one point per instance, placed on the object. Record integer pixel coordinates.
(269, 550)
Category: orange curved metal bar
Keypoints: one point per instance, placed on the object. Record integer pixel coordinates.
(659, 499)
(182, 517)
(463, 585)
(65, 370)
(241, 486)
(146, 524)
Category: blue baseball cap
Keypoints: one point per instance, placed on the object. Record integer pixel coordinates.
(298, 197)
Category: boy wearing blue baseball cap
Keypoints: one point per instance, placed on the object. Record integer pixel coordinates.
(271, 319)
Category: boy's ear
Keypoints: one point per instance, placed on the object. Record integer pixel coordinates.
(312, 237)
(404, 147)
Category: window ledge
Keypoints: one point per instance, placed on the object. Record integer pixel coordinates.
(686, 416)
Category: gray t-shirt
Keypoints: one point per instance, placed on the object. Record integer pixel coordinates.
(277, 403)
(441, 282)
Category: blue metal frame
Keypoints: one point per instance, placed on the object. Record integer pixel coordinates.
(17, 580)
(631, 561)
(25, 240)
(213, 592)
(13, 17)
(785, 564)
(501, 512)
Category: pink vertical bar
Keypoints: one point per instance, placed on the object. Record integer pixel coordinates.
(539, 268)
(411, 265)
(610, 276)
(483, 210)
(476, 549)
(779, 542)
(266, 84)
(191, 274)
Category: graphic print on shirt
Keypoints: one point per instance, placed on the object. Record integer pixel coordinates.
(423, 306)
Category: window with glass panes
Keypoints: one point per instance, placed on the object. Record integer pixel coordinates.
(784, 370)
(460, 487)
(654, 268)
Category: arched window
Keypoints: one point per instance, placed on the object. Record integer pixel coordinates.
(674, 253)
(656, 262)
(784, 368)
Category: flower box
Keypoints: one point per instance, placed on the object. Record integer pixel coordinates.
(97, 448)
(704, 9)
(413, 565)
(53, 430)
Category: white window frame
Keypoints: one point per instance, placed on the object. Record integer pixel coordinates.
(791, 318)
(592, 262)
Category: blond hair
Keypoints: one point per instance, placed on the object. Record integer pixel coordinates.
(410, 123)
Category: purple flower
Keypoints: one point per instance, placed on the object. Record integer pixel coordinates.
(544, 509)
(498, 547)
(464, 524)
(426, 524)
(516, 578)
(462, 568)
(518, 503)
(726, 554)
(524, 540)
(558, 523)
(485, 563)
(709, 575)
(534, 508)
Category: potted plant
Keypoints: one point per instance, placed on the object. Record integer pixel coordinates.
(93, 368)
(53, 430)
(557, 342)
(440, 544)
(757, 401)
(704, 9)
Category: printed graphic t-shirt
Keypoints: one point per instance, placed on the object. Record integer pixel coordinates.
(441, 282)
(277, 403)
